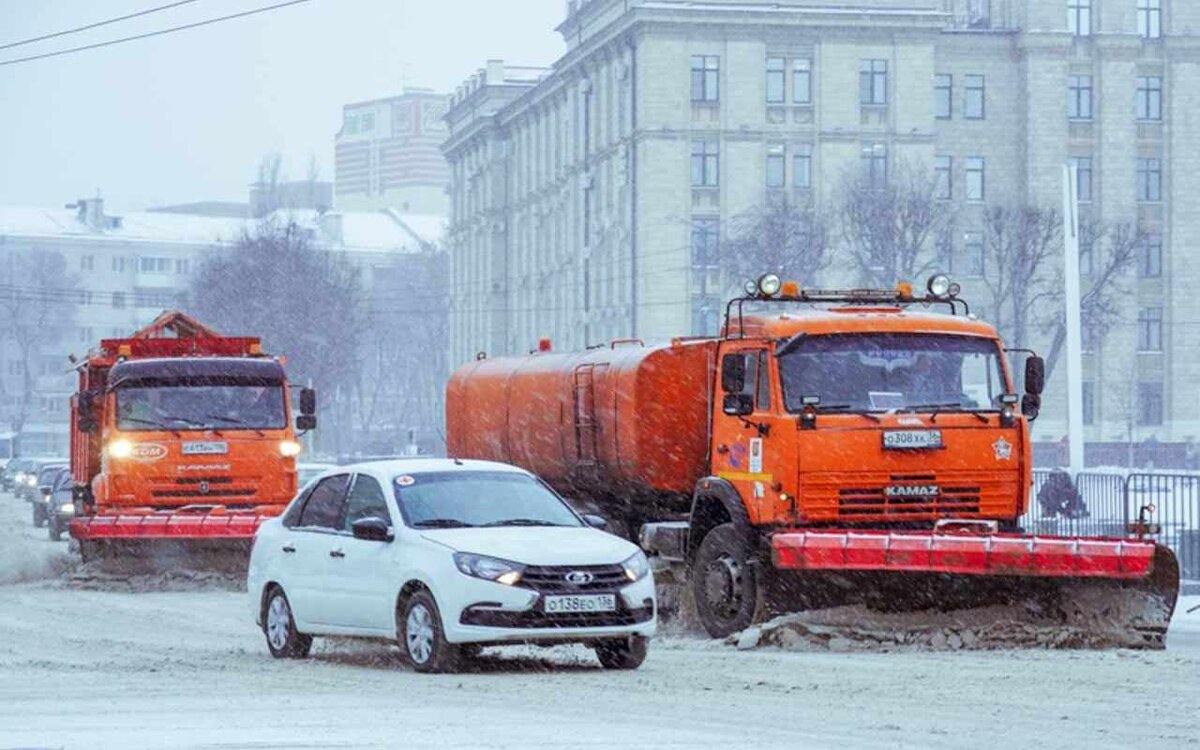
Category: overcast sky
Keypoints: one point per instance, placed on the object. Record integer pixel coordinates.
(187, 116)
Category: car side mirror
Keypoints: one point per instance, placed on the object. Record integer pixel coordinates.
(308, 401)
(733, 373)
(595, 521)
(738, 404)
(1035, 375)
(306, 422)
(1031, 406)
(373, 529)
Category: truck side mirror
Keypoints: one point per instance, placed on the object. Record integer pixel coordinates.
(306, 422)
(1031, 406)
(308, 401)
(733, 373)
(86, 412)
(738, 404)
(1035, 376)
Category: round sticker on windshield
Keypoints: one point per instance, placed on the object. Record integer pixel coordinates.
(405, 480)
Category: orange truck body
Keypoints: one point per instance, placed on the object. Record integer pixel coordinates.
(639, 427)
(180, 482)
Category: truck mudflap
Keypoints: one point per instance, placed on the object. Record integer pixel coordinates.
(1099, 591)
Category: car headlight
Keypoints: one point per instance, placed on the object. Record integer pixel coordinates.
(488, 568)
(289, 448)
(66, 508)
(637, 566)
(30, 481)
(119, 448)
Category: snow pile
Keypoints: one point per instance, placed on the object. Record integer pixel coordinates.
(96, 577)
(26, 554)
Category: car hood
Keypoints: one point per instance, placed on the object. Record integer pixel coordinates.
(538, 545)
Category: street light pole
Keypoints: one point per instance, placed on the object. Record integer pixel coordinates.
(1074, 319)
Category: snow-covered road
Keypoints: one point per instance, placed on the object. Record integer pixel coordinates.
(96, 669)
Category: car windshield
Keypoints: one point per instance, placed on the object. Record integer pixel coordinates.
(190, 407)
(457, 499)
(890, 372)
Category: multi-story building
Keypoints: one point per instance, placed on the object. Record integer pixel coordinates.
(588, 199)
(387, 154)
(71, 276)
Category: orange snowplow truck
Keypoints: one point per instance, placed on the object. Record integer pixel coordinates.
(826, 447)
(181, 438)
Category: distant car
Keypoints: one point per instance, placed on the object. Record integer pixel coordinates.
(445, 556)
(37, 482)
(14, 473)
(59, 504)
(306, 472)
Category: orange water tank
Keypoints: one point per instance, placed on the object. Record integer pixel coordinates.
(626, 424)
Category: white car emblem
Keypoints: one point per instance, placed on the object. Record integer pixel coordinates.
(1003, 449)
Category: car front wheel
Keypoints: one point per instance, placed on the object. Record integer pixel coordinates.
(39, 514)
(421, 638)
(625, 653)
(279, 626)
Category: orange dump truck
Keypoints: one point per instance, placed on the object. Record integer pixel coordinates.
(826, 447)
(181, 439)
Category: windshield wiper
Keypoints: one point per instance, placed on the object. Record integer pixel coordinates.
(152, 423)
(522, 522)
(939, 408)
(233, 420)
(442, 523)
(849, 408)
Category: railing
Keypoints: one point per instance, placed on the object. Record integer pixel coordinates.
(1111, 501)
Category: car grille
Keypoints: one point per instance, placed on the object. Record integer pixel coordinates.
(552, 579)
(874, 500)
(536, 619)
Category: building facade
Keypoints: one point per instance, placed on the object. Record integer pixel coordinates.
(588, 200)
(387, 154)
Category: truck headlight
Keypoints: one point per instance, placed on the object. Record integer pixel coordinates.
(637, 566)
(119, 448)
(488, 568)
(289, 448)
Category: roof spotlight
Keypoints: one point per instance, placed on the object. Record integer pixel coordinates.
(769, 285)
(955, 289)
(939, 285)
(751, 287)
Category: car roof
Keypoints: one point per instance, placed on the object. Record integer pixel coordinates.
(393, 467)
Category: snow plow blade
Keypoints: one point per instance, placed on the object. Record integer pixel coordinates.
(209, 540)
(1103, 592)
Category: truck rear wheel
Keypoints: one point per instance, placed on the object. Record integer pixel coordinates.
(725, 582)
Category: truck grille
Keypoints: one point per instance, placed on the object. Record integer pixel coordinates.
(875, 500)
(204, 487)
(552, 579)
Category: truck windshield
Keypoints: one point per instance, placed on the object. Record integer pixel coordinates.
(881, 372)
(194, 407)
(461, 499)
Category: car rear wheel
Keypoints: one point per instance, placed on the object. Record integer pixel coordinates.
(284, 641)
(624, 653)
(54, 527)
(419, 630)
(39, 514)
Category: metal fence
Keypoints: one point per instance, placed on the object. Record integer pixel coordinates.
(1110, 501)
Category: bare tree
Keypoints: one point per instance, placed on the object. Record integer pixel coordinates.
(890, 226)
(35, 295)
(1021, 245)
(781, 236)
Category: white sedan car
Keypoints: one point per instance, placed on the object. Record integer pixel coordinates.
(445, 556)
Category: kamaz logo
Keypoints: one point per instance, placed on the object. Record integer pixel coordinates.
(912, 490)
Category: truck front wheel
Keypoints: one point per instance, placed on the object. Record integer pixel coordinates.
(725, 582)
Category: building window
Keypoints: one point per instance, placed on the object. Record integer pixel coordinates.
(183, 265)
(1150, 404)
(118, 264)
(1149, 177)
(1083, 170)
(706, 238)
(1150, 263)
(979, 14)
(776, 74)
(1089, 403)
(1087, 255)
(1150, 322)
(943, 183)
(776, 177)
(87, 262)
(366, 122)
(943, 96)
(872, 82)
(706, 306)
(85, 335)
(1149, 13)
(153, 265)
(973, 254)
(1079, 17)
(1079, 98)
(802, 166)
(118, 299)
(974, 104)
(975, 178)
(874, 161)
(705, 163)
(706, 71)
(802, 81)
(1149, 98)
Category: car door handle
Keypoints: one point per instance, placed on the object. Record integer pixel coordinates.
(336, 553)
(289, 548)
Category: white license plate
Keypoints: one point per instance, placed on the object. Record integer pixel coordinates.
(905, 440)
(199, 448)
(590, 603)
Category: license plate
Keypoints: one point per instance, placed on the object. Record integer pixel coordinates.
(199, 448)
(589, 603)
(907, 440)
